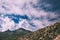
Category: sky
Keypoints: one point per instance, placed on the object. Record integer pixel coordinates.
(28, 14)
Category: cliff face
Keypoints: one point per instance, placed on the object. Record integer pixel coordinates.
(48, 33)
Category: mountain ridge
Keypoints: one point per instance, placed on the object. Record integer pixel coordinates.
(47, 33)
(13, 35)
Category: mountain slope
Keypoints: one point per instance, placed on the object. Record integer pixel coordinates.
(13, 35)
(48, 33)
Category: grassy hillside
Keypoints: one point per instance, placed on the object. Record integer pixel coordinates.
(47, 33)
(13, 35)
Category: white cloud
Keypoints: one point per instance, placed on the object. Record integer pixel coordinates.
(23, 7)
(14, 6)
(6, 24)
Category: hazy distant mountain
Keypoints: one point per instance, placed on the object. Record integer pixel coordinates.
(13, 35)
(48, 33)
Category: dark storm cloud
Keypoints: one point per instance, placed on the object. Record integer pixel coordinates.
(48, 5)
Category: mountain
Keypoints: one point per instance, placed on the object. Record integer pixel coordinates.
(47, 33)
(13, 35)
